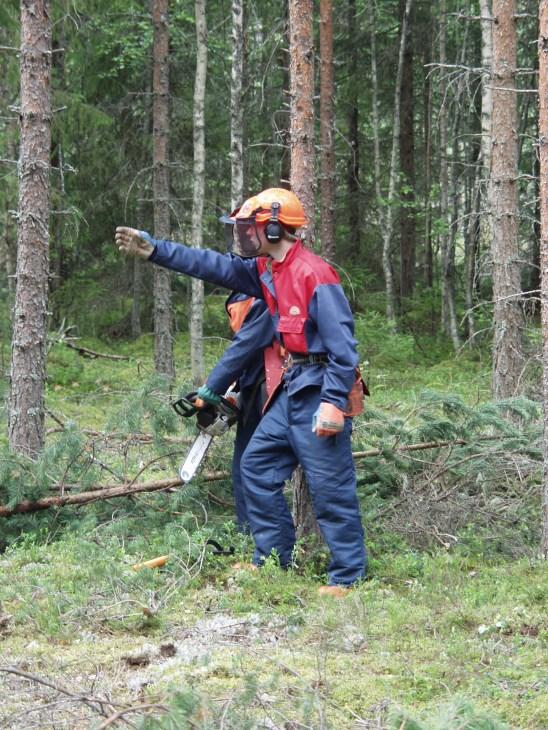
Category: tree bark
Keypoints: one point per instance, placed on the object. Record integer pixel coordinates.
(386, 217)
(407, 165)
(301, 69)
(29, 339)
(163, 314)
(327, 119)
(236, 107)
(353, 163)
(507, 317)
(197, 302)
(428, 248)
(543, 151)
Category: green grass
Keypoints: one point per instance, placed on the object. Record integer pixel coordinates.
(437, 638)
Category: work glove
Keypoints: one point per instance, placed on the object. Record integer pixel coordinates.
(328, 420)
(132, 242)
(205, 394)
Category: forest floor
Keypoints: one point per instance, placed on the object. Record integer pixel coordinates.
(84, 636)
(450, 631)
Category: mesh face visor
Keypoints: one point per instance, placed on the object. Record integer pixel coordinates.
(246, 237)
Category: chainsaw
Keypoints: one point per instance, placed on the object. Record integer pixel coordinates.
(212, 421)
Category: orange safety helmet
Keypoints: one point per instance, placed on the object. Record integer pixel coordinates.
(276, 207)
(259, 207)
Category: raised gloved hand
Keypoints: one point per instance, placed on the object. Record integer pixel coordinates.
(205, 394)
(328, 420)
(132, 242)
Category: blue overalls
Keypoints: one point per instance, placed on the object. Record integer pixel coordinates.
(311, 315)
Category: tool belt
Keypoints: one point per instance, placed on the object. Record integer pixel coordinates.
(299, 358)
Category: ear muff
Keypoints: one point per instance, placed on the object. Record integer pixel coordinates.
(274, 230)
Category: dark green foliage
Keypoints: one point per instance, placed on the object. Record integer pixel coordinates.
(493, 432)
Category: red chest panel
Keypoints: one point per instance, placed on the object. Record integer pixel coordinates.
(294, 281)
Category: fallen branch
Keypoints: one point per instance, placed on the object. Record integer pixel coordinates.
(127, 490)
(105, 492)
(422, 446)
(85, 352)
(95, 703)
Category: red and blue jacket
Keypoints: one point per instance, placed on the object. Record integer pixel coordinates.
(309, 310)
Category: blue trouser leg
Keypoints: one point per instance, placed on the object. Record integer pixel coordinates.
(245, 429)
(329, 469)
(283, 439)
(267, 462)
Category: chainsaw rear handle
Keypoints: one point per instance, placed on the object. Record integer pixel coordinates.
(186, 407)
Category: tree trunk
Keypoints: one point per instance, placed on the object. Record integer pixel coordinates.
(236, 107)
(302, 108)
(301, 68)
(29, 339)
(486, 105)
(543, 150)
(386, 216)
(327, 146)
(407, 165)
(428, 248)
(353, 164)
(283, 131)
(197, 303)
(163, 314)
(507, 318)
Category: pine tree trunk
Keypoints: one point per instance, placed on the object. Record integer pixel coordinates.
(327, 146)
(301, 49)
(137, 290)
(428, 248)
(543, 151)
(283, 127)
(163, 314)
(387, 222)
(507, 318)
(302, 108)
(236, 107)
(197, 303)
(353, 164)
(407, 165)
(471, 241)
(28, 356)
(486, 109)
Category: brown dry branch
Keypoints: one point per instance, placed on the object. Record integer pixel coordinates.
(85, 352)
(102, 706)
(137, 708)
(103, 492)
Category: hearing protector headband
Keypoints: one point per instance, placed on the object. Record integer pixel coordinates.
(274, 230)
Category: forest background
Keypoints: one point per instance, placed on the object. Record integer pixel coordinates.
(421, 178)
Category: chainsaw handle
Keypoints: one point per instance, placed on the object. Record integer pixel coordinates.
(185, 406)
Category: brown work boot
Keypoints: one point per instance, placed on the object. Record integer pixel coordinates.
(245, 566)
(334, 591)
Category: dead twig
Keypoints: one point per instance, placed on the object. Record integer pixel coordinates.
(137, 708)
(96, 704)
